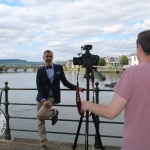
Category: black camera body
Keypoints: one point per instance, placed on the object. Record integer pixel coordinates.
(86, 59)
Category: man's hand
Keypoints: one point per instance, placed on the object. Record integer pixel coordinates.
(81, 89)
(46, 104)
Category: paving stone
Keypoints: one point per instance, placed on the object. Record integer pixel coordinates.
(20, 148)
(32, 144)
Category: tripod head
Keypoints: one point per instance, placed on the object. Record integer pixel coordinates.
(89, 69)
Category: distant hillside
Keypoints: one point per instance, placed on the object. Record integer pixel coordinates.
(6, 61)
(23, 62)
(19, 62)
(59, 62)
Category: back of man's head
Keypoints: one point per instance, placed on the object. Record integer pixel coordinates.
(144, 40)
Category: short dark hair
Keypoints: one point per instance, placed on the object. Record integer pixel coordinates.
(48, 51)
(144, 40)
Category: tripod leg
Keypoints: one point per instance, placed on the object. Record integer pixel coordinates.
(86, 130)
(77, 134)
(97, 132)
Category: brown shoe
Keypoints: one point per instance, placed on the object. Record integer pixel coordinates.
(55, 118)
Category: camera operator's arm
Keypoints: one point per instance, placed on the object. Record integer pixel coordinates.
(109, 111)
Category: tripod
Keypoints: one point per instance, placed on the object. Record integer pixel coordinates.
(87, 76)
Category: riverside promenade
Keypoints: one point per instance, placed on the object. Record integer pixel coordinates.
(32, 144)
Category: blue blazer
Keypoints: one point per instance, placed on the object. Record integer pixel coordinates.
(44, 85)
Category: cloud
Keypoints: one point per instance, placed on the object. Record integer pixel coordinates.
(27, 28)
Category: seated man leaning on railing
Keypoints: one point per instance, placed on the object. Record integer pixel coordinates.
(48, 84)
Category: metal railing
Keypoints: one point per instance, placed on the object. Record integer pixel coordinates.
(7, 103)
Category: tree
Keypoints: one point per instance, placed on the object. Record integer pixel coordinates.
(124, 60)
(64, 64)
(1, 67)
(102, 62)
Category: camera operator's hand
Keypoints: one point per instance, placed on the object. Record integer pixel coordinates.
(85, 105)
(81, 89)
(46, 104)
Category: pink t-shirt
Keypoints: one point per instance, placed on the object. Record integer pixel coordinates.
(134, 86)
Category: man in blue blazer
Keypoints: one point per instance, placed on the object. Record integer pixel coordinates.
(48, 85)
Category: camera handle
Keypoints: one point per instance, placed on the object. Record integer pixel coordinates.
(87, 76)
(100, 75)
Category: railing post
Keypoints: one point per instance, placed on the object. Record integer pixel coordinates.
(96, 144)
(6, 103)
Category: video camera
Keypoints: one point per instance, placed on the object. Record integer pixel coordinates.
(86, 59)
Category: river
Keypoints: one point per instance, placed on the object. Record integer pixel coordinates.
(27, 79)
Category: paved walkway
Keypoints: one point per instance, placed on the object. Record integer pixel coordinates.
(32, 144)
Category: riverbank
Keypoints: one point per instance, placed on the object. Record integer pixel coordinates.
(32, 144)
(100, 69)
(105, 69)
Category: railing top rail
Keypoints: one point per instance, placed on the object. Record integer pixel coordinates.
(60, 89)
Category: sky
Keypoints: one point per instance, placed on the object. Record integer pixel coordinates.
(29, 27)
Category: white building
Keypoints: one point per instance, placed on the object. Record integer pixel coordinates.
(133, 59)
(69, 64)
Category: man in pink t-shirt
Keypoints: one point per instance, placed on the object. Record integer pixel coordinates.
(132, 93)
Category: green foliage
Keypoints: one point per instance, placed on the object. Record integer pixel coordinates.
(124, 60)
(102, 62)
(1, 67)
(63, 64)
